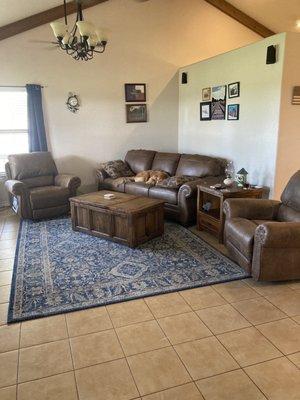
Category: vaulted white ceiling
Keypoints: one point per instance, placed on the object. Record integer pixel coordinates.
(277, 15)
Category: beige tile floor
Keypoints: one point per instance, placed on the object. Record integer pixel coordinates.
(232, 341)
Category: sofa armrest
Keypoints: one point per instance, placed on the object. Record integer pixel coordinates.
(189, 188)
(72, 182)
(17, 188)
(251, 208)
(278, 235)
(101, 174)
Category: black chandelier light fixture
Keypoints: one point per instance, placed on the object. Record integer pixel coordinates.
(80, 46)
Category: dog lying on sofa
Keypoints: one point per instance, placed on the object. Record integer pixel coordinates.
(151, 177)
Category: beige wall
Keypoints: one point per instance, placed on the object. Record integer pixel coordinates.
(148, 42)
(251, 142)
(288, 155)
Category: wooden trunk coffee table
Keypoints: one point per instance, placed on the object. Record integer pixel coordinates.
(126, 219)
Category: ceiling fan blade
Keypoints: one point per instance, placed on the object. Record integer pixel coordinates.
(41, 41)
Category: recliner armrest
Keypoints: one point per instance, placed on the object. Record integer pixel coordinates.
(17, 188)
(72, 182)
(278, 234)
(251, 208)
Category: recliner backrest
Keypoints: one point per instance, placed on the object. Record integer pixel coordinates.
(290, 209)
(34, 169)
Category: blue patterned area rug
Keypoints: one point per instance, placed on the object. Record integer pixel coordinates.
(58, 270)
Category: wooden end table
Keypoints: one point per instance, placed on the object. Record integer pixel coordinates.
(214, 219)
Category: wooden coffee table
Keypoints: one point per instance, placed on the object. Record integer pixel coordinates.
(126, 219)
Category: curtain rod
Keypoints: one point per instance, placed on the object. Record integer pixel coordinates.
(12, 86)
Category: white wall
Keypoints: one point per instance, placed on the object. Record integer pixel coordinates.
(148, 42)
(250, 142)
(288, 156)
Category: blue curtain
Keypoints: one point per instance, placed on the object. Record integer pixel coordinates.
(36, 126)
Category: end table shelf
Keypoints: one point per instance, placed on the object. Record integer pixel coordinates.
(213, 220)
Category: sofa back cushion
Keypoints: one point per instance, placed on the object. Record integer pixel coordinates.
(200, 166)
(34, 169)
(167, 162)
(140, 160)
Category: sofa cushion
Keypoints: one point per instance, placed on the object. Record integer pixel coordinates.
(166, 162)
(117, 185)
(140, 160)
(176, 181)
(169, 195)
(48, 196)
(137, 188)
(240, 232)
(116, 169)
(31, 165)
(196, 165)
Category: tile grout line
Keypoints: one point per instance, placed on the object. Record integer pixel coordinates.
(70, 348)
(120, 344)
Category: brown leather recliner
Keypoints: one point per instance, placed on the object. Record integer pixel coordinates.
(263, 236)
(36, 189)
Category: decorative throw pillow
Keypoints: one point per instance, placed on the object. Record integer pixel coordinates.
(175, 182)
(117, 169)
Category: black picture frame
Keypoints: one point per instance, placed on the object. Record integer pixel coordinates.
(233, 90)
(204, 107)
(136, 113)
(135, 92)
(233, 112)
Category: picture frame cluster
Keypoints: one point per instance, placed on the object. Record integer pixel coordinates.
(135, 93)
(213, 105)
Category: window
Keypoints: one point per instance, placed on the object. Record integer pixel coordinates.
(13, 123)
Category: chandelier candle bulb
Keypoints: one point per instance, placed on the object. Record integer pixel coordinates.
(92, 41)
(66, 38)
(85, 28)
(59, 29)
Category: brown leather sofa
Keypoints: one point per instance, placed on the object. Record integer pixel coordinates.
(180, 203)
(263, 236)
(36, 189)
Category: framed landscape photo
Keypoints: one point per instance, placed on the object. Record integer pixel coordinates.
(135, 92)
(218, 102)
(136, 113)
(206, 94)
(205, 111)
(233, 112)
(234, 90)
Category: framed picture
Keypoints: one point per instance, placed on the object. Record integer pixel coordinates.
(218, 102)
(233, 112)
(205, 111)
(233, 90)
(135, 92)
(136, 113)
(206, 94)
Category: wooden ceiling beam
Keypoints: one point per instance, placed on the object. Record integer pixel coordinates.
(241, 17)
(42, 18)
